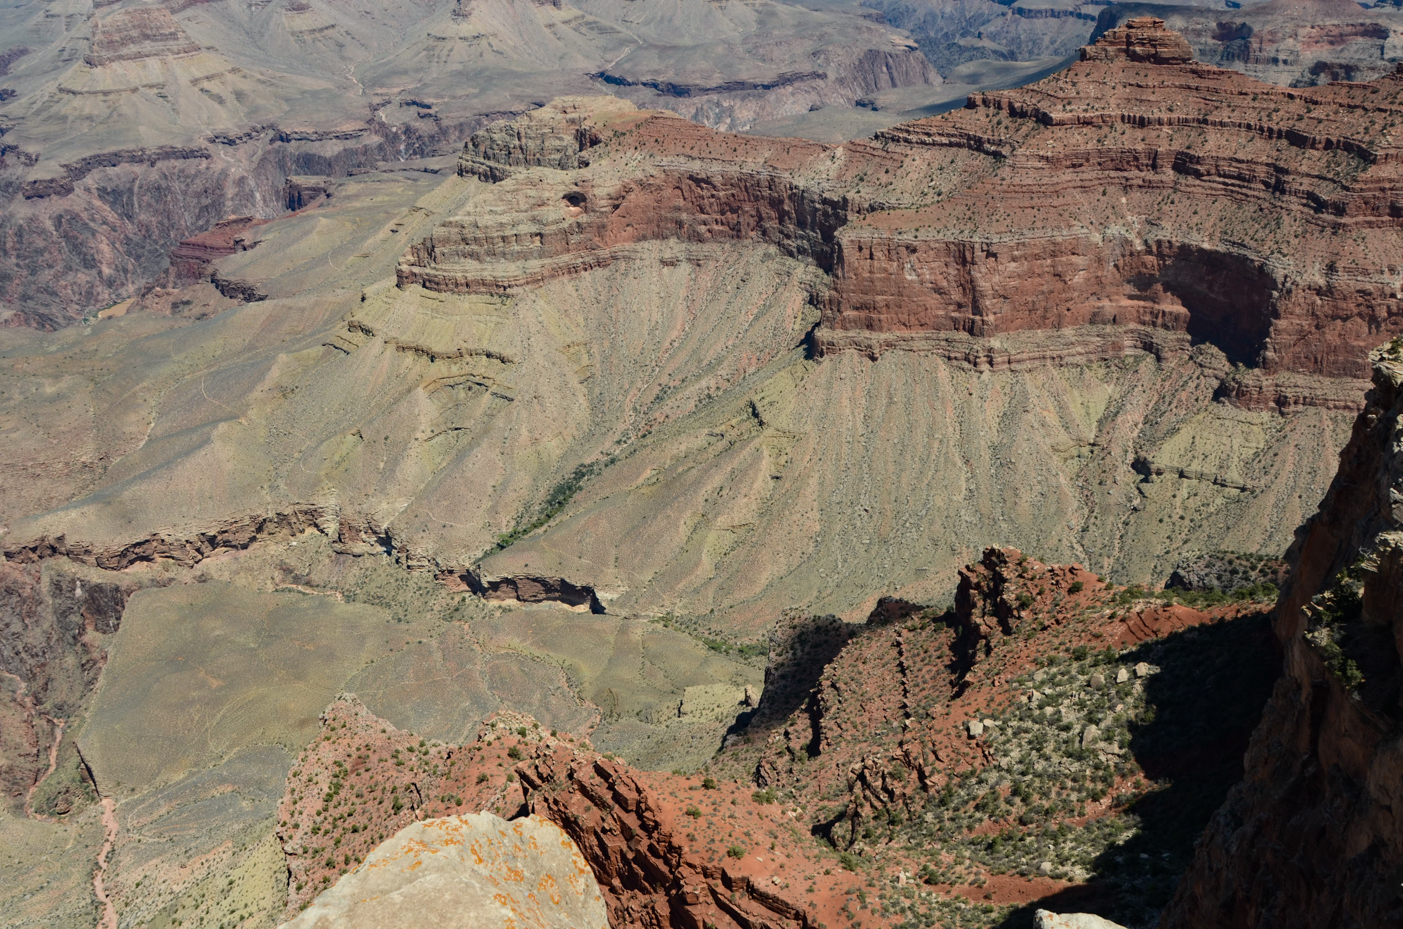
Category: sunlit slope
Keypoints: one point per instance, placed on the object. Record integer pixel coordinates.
(715, 465)
(840, 479)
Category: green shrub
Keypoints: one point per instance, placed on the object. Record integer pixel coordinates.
(736, 851)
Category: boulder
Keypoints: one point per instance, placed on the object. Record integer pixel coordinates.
(465, 872)
(1044, 919)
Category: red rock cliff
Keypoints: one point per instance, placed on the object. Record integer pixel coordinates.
(1138, 189)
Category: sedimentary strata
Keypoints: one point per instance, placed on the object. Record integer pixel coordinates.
(1138, 190)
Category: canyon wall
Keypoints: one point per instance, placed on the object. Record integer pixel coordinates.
(1311, 837)
(1083, 201)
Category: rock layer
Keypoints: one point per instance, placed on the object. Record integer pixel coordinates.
(137, 33)
(1137, 189)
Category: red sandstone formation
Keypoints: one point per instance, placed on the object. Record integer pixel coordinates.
(193, 258)
(1312, 836)
(1142, 38)
(897, 695)
(1137, 190)
(667, 850)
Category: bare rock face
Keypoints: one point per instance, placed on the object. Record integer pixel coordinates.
(1044, 919)
(136, 33)
(1047, 920)
(1311, 837)
(475, 871)
(1106, 196)
(1143, 39)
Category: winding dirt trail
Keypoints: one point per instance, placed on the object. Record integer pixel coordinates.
(109, 828)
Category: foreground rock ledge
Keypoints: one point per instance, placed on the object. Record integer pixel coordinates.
(467, 872)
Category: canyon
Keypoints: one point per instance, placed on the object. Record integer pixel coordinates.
(128, 127)
(786, 522)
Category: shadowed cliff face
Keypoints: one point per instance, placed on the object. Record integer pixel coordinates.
(1311, 836)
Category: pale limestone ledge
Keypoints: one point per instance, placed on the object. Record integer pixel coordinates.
(465, 872)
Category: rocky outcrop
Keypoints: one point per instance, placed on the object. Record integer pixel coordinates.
(1311, 836)
(475, 871)
(1046, 920)
(136, 33)
(666, 850)
(302, 192)
(184, 550)
(1142, 39)
(193, 259)
(242, 291)
(551, 137)
(993, 595)
(591, 223)
(529, 589)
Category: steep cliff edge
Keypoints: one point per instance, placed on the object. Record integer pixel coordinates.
(1312, 836)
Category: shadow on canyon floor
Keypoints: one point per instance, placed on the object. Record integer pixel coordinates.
(1207, 697)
